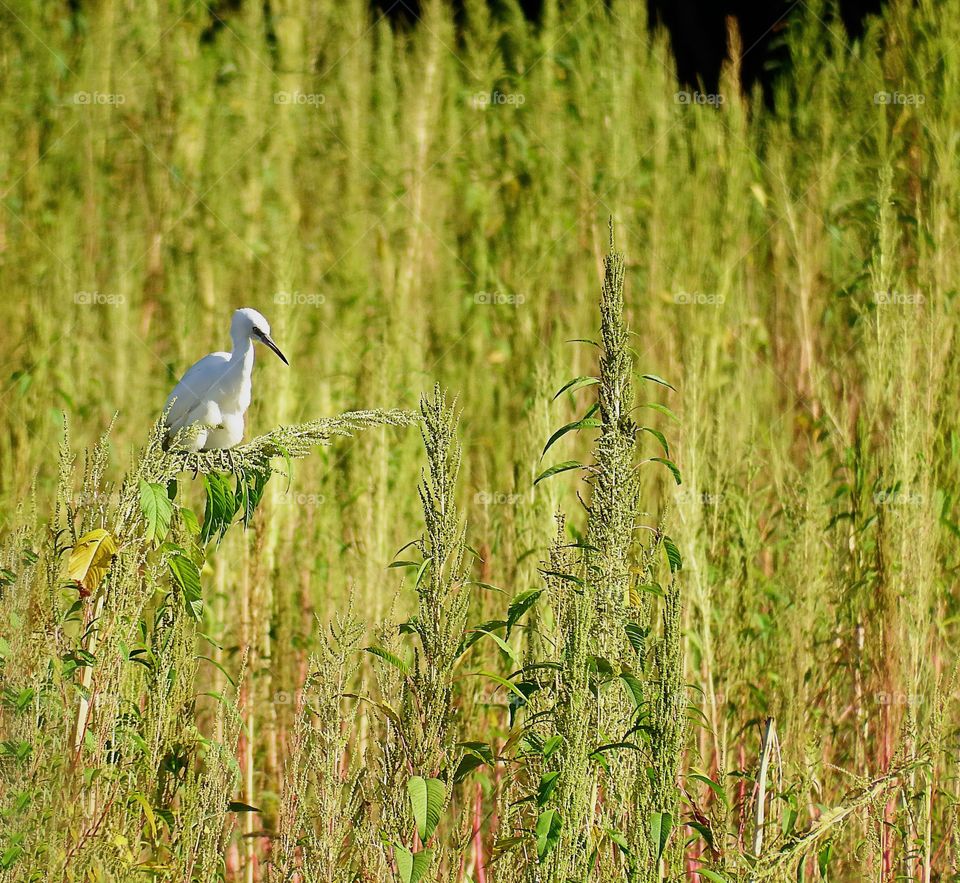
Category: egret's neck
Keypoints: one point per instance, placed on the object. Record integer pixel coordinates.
(242, 350)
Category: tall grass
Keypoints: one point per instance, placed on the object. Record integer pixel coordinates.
(580, 678)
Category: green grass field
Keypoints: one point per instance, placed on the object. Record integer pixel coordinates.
(718, 645)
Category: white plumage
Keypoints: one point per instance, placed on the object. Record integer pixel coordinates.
(213, 396)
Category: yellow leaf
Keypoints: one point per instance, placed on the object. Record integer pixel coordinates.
(90, 559)
(148, 812)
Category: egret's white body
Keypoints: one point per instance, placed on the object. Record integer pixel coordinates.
(213, 396)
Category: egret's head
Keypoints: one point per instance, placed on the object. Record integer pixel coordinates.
(248, 324)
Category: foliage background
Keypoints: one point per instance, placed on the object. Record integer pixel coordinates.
(430, 205)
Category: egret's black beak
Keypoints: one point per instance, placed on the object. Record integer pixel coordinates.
(269, 342)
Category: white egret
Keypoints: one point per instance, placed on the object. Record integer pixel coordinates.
(213, 396)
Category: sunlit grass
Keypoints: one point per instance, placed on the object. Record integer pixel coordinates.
(535, 689)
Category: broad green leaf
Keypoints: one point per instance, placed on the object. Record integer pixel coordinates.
(417, 790)
(659, 436)
(187, 576)
(714, 786)
(657, 379)
(157, 511)
(618, 838)
(670, 465)
(660, 825)
(548, 828)
(477, 632)
(566, 466)
(823, 860)
(394, 660)
(715, 876)
(551, 745)
(90, 559)
(147, 812)
(575, 384)
(475, 754)
(221, 506)
(250, 487)
(404, 859)
(190, 521)
(436, 794)
(548, 783)
(503, 682)
(504, 646)
(634, 687)
(585, 423)
(661, 409)
(704, 831)
(673, 555)
(482, 750)
(520, 604)
(636, 635)
(426, 798)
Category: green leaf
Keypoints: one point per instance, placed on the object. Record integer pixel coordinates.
(670, 465)
(567, 577)
(715, 876)
(823, 859)
(391, 658)
(504, 646)
(10, 855)
(566, 466)
(157, 511)
(585, 423)
(250, 487)
(474, 634)
(636, 635)
(660, 825)
(426, 798)
(673, 555)
(186, 575)
(551, 745)
(548, 828)
(417, 789)
(422, 570)
(520, 604)
(411, 866)
(713, 786)
(659, 436)
(190, 521)
(503, 682)
(221, 506)
(238, 806)
(661, 409)
(634, 687)
(618, 838)
(657, 379)
(475, 754)
(575, 384)
(482, 750)
(548, 783)
(704, 831)
(436, 795)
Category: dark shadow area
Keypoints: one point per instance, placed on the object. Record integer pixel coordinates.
(698, 31)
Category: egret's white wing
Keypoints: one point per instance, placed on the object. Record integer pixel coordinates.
(193, 390)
